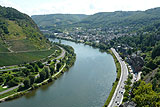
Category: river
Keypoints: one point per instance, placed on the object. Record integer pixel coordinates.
(87, 84)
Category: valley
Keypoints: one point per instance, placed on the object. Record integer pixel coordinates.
(107, 59)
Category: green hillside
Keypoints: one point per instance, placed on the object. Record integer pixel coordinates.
(102, 19)
(18, 32)
(146, 44)
(121, 18)
(57, 20)
(139, 46)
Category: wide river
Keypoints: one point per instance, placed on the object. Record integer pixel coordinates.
(87, 84)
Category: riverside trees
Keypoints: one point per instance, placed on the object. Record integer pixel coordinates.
(143, 95)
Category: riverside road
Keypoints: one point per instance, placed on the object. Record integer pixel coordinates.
(118, 94)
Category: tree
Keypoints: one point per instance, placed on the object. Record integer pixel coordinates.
(50, 79)
(40, 64)
(151, 64)
(157, 75)
(32, 69)
(1, 80)
(26, 72)
(52, 70)
(20, 88)
(129, 51)
(156, 51)
(42, 75)
(144, 96)
(5, 29)
(36, 68)
(29, 66)
(146, 70)
(9, 77)
(58, 66)
(27, 83)
(111, 42)
(13, 82)
(154, 84)
(128, 82)
(34, 86)
(46, 69)
(49, 61)
(32, 79)
(32, 64)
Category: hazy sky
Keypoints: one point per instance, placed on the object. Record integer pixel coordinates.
(34, 7)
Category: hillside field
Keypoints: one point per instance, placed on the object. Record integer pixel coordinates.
(23, 57)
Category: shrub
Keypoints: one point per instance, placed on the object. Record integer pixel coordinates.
(27, 83)
(34, 86)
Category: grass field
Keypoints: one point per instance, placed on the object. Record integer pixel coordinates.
(116, 82)
(16, 32)
(22, 45)
(3, 49)
(22, 57)
(2, 89)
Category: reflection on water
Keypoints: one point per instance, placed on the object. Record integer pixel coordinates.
(87, 84)
(31, 94)
(45, 87)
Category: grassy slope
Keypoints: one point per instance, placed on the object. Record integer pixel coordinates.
(22, 45)
(57, 19)
(20, 41)
(15, 31)
(3, 49)
(19, 31)
(22, 57)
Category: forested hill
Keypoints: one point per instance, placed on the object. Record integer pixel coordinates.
(18, 32)
(121, 18)
(133, 19)
(57, 20)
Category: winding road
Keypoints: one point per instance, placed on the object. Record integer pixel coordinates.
(60, 56)
(118, 94)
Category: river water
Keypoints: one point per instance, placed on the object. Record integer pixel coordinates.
(87, 84)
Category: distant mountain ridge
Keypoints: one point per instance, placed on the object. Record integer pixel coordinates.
(122, 18)
(57, 20)
(104, 19)
(18, 32)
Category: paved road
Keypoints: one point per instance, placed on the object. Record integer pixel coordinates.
(62, 53)
(118, 94)
(60, 56)
(10, 89)
(11, 69)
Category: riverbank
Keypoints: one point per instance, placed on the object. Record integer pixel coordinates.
(88, 82)
(117, 79)
(118, 95)
(118, 66)
(63, 64)
(100, 46)
(19, 94)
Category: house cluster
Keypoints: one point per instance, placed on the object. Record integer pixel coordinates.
(133, 59)
(94, 34)
(103, 35)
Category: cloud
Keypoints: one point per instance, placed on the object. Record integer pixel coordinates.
(33, 7)
(8, 3)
